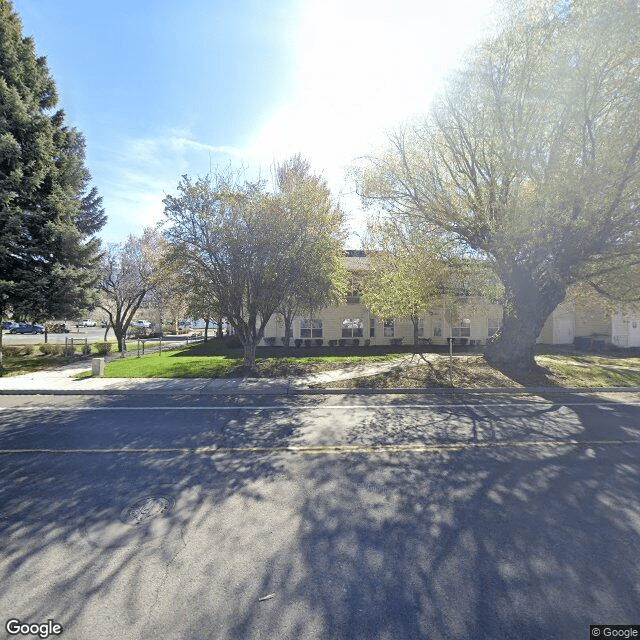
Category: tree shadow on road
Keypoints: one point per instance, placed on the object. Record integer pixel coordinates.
(500, 527)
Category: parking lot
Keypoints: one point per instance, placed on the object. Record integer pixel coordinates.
(93, 334)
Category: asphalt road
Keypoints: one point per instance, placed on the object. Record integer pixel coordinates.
(370, 517)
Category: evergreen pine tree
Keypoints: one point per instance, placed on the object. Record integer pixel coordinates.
(48, 214)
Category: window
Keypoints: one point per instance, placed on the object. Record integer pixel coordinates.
(494, 326)
(353, 291)
(388, 328)
(311, 328)
(421, 328)
(437, 328)
(372, 328)
(462, 329)
(352, 328)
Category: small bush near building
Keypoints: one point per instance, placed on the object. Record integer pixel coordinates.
(284, 341)
(103, 348)
(270, 341)
(333, 343)
(298, 342)
(367, 342)
(307, 342)
(342, 342)
(356, 342)
(319, 342)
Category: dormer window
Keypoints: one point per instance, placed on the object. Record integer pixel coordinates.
(353, 290)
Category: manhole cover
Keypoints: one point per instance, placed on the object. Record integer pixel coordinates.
(146, 509)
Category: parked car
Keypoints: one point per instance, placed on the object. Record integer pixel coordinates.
(24, 327)
(7, 325)
(86, 323)
(141, 323)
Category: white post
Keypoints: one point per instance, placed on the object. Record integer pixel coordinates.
(97, 367)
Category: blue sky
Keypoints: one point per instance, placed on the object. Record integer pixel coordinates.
(164, 88)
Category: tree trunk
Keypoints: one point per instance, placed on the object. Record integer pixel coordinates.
(219, 330)
(527, 307)
(288, 322)
(249, 354)
(206, 329)
(1, 366)
(120, 337)
(415, 331)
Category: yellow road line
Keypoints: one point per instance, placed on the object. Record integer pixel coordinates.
(337, 448)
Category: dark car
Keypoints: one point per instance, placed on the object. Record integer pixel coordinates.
(7, 325)
(23, 327)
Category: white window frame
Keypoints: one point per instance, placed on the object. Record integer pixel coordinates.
(372, 328)
(353, 293)
(353, 332)
(389, 326)
(462, 329)
(420, 327)
(493, 326)
(437, 328)
(310, 328)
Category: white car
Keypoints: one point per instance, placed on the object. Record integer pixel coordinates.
(86, 323)
(144, 324)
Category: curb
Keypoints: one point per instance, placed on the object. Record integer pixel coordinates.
(295, 391)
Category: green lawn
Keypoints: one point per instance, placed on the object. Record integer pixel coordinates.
(214, 359)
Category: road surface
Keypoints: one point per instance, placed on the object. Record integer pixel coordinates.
(321, 517)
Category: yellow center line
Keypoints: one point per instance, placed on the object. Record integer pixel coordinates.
(334, 448)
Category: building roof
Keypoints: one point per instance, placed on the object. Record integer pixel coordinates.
(355, 260)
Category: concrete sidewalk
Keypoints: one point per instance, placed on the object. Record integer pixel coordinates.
(61, 381)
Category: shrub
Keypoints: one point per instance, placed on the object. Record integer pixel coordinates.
(342, 342)
(307, 343)
(103, 348)
(396, 341)
(13, 351)
(270, 340)
(86, 349)
(52, 349)
(356, 342)
(298, 342)
(333, 343)
(319, 342)
(284, 341)
(367, 342)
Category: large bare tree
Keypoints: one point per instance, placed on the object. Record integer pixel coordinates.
(530, 159)
(129, 272)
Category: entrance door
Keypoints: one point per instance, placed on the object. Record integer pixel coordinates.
(634, 331)
(563, 330)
